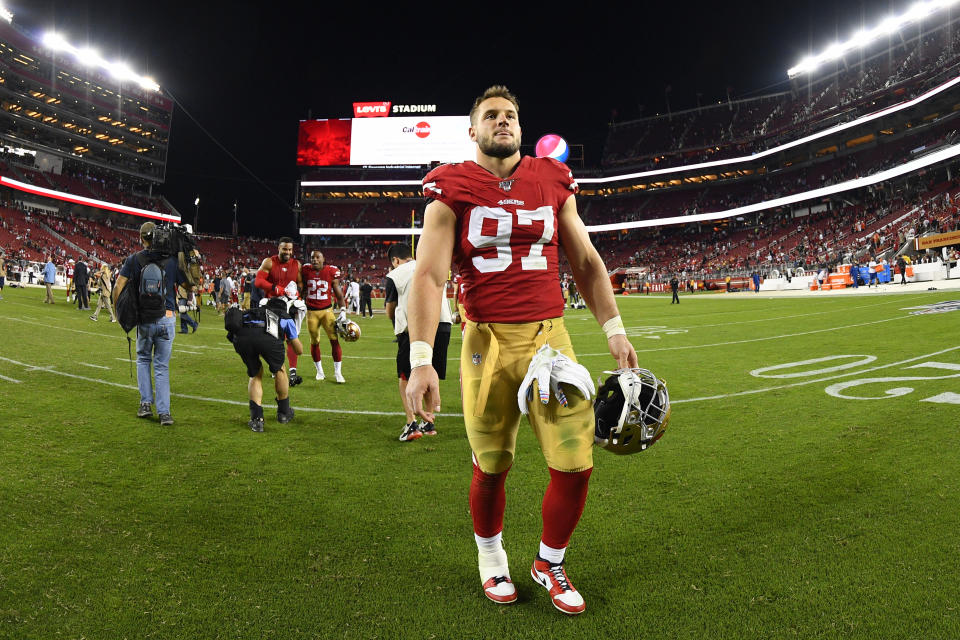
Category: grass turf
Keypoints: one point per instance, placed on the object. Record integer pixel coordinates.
(771, 508)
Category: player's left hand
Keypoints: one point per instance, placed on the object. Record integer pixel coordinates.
(622, 351)
(423, 392)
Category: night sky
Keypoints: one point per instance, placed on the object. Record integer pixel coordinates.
(248, 72)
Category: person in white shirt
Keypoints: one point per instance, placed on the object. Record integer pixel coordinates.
(395, 304)
(354, 295)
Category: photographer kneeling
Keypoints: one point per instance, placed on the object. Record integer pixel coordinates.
(260, 333)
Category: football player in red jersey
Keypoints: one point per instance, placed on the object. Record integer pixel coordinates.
(320, 281)
(502, 219)
(274, 278)
(68, 271)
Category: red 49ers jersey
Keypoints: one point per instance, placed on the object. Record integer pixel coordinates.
(506, 248)
(282, 272)
(318, 285)
(69, 270)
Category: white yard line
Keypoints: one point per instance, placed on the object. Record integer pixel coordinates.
(94, 366)
(243, 403)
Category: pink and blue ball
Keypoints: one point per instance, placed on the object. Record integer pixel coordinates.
(552, 146)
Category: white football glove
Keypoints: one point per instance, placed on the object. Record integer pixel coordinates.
(549, 368)
(342, 316)
(291, 290)
(298, 311)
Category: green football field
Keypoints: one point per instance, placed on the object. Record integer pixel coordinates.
(807, 487)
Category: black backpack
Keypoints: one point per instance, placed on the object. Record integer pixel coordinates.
(152, 291)
(138, 302)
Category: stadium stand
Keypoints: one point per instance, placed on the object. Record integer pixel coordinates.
(740, 127)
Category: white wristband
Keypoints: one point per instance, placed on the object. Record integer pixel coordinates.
(614, 327)
(421, 354)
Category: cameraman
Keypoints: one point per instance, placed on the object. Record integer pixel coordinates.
(154, 337)
(250, 333)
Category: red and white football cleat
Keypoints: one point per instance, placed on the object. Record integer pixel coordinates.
(495, 576)
(553, 578)
(500, 589)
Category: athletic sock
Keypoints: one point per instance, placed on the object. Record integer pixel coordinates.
(283, 406)
(336, 350)
(256, 411)
(315, 352)
(291, 356)
(563, 504)
(488, 498)
(336, 367)
(550, 554)
(489, 545)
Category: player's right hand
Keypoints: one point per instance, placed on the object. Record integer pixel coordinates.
(277, 290)
(622, 351)
(423, 392)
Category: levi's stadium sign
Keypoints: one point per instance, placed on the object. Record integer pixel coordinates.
(382, 109)
(371, 109)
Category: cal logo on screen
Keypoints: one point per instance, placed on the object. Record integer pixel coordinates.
(421, 129)
(371, 109)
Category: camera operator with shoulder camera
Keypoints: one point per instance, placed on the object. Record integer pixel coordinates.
(260, 333)
(154, 275)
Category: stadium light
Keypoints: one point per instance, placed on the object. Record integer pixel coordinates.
(89, 57)
(57, 42)
(916, 13)
(121, 71)
(5, 14)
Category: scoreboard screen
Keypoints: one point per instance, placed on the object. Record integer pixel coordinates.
(384, 141)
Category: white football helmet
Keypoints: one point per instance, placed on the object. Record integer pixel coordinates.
(348, 330)
(632, 411)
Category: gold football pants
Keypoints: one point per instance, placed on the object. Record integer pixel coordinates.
(493, 362)
(321, 318)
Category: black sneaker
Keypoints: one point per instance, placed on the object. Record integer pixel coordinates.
(256, 425)
(410, 432)
(295, 378)
(166, 420)
(284, 418)
(145, 410)
(428, 428)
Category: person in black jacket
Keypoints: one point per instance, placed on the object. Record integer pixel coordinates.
(366, 291)
(902, 265)
(81, 278)
(675, 288)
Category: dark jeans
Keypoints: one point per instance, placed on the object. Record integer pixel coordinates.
(187, 320)
(366, 303)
